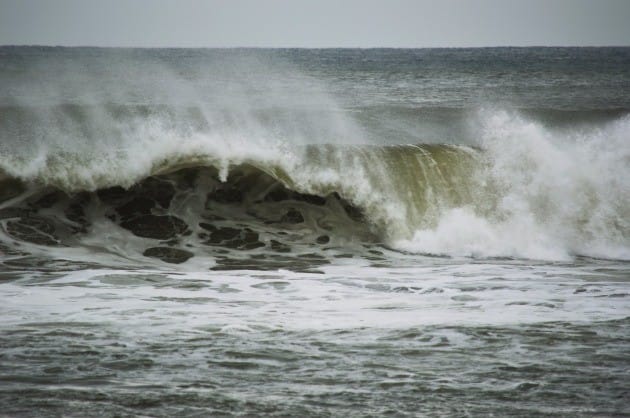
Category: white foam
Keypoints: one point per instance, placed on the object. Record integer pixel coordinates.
(460, 232)
(545, 194)
(558, 194)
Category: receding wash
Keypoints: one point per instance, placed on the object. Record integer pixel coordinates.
(306, 232)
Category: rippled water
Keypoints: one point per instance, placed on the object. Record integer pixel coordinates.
(395, 335)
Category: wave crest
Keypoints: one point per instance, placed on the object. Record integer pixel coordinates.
(528, 192)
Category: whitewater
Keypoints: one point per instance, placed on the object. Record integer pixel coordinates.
(314, 232)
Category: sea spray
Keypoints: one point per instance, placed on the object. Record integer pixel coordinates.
(535, 182)
(555, 195)
(199, 232)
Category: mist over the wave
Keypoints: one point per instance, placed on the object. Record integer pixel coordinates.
(314, 232)
(525, 177)
(550, 194)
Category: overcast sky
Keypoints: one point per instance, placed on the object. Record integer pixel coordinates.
(316, 23)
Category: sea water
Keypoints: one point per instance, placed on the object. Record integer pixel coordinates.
(424, 232)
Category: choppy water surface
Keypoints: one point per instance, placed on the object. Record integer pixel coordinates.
(315, 232)
(396, 334)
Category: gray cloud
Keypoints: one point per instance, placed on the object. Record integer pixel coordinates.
(317, 23)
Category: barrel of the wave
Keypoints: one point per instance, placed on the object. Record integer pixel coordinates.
(398, 188)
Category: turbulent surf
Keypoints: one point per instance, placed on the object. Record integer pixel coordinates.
(314, 232)
(560, 194)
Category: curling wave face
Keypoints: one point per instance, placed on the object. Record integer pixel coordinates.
(336, 197)
(483, 182)
(528, 192)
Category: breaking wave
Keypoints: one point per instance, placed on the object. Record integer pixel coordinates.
(525, 191)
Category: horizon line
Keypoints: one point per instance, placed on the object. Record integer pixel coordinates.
(37, 45)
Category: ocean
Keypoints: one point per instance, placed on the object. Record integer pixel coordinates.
(314, 232)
